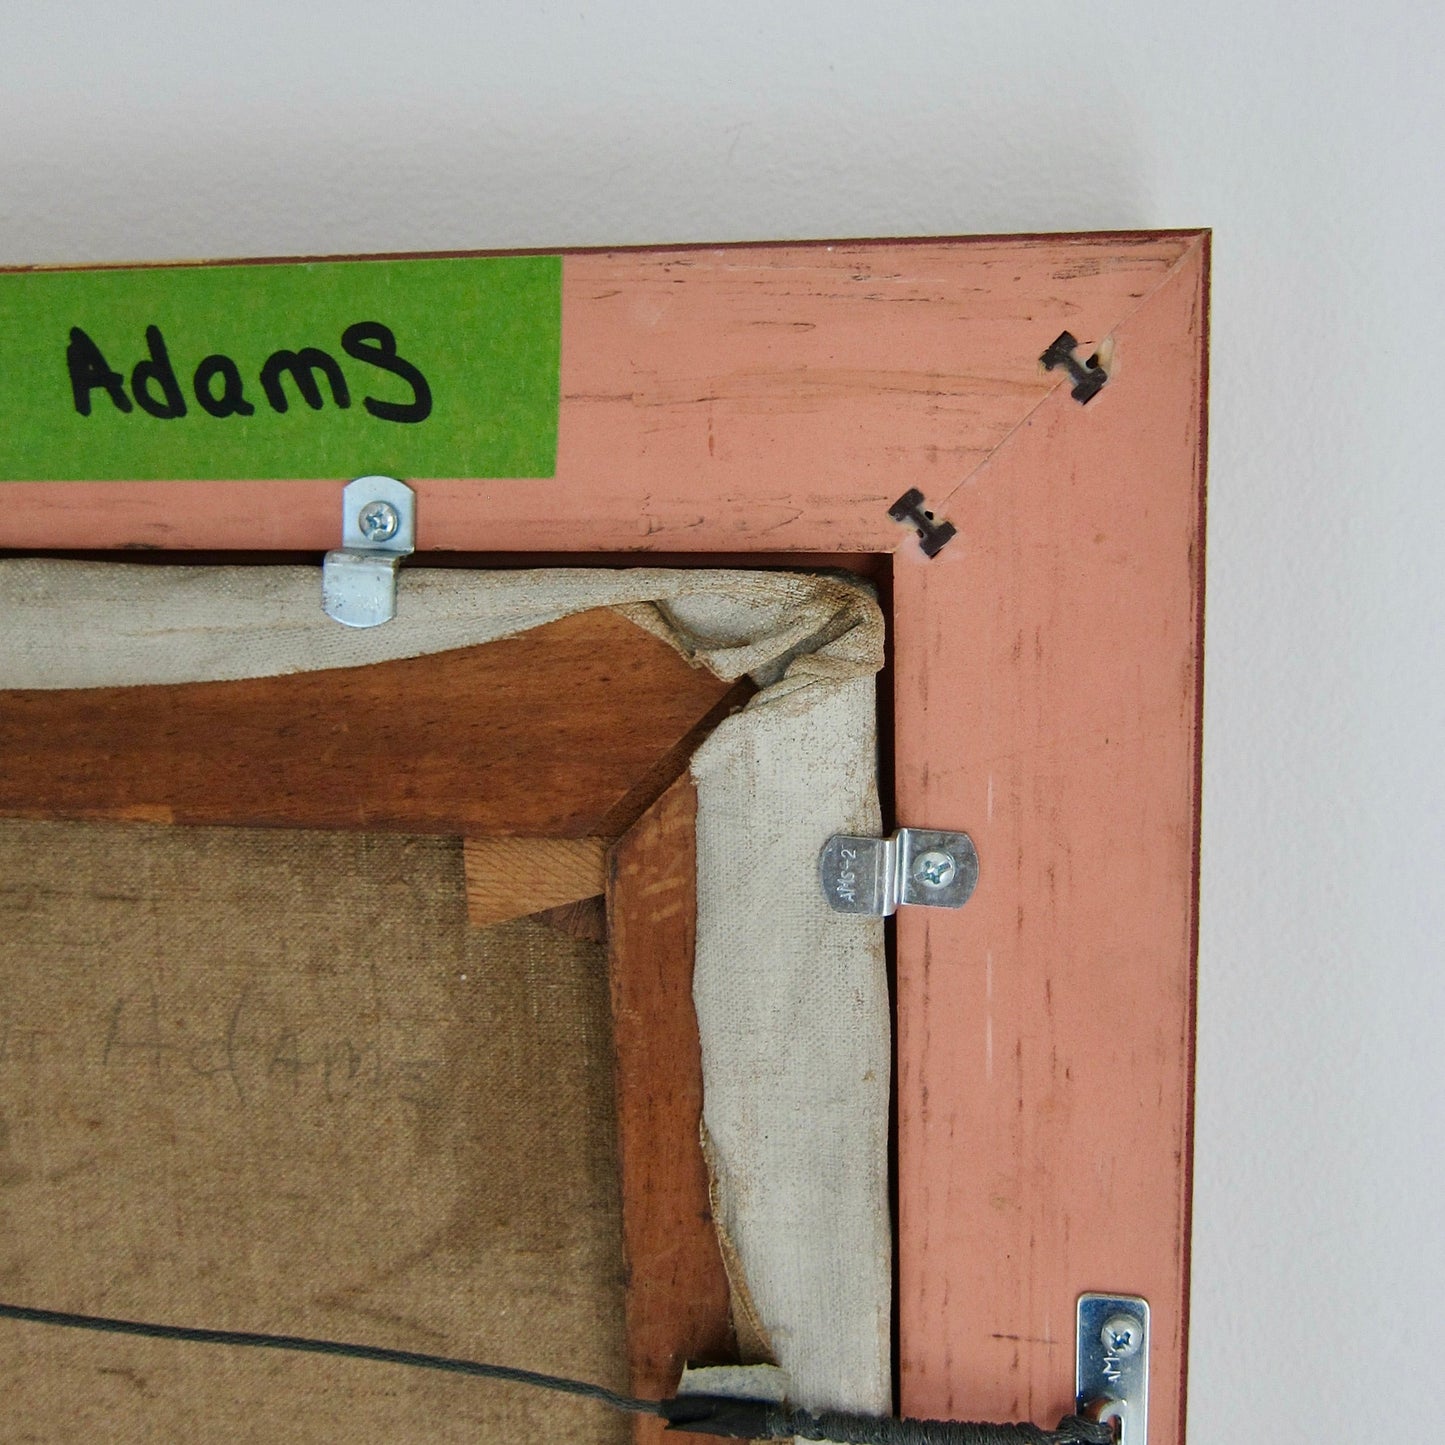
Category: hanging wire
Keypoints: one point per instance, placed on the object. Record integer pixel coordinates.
(338, 1348)
(701, 1414)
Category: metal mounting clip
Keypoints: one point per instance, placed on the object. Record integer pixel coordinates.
(914, 866)
(1111, 1382)
(378, 529)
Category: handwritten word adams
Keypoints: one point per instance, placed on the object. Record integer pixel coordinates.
(220, 390)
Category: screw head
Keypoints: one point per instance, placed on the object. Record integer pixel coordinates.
(378, 521)
(935, 869)
(1122, 1335)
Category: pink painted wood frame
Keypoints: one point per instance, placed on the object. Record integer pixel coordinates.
(776, 400)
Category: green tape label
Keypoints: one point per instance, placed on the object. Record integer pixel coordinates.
(426, 368)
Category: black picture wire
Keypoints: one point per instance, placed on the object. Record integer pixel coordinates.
(338, 1348)
(700, 1414)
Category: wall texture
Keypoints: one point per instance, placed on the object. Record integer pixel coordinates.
(1307, 135)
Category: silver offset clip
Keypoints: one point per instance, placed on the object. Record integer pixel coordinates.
(874, 876)
(378, 529)
(1111, 1381)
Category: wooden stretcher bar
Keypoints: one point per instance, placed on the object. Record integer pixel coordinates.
(478, 742)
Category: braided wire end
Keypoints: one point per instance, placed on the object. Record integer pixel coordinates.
(1079, 1430)
(844, 1429)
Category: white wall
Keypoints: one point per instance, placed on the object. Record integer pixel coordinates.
(1308, 135)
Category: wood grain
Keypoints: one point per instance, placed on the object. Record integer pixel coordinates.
(677, 1290)
(587, 919)
(714, 399)
(1048, 692)
(511, 878)
(569, 730)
